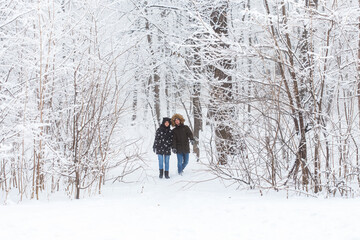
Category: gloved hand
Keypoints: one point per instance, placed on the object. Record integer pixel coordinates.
(192, 141)
(154, 149)
(174, 150)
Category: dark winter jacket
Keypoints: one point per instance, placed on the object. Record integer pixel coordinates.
(182, 134)
(163, 139)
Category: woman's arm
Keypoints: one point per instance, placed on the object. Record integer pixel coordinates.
(173, 140)
(157, 137)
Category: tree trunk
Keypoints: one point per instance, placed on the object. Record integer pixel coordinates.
(197, 111)
(294, 96)
(221, 93)
(155, 76)
(38, 177)
(301, 155)
(197, 118)
(135, 101)
(358, 83)
(156, 79)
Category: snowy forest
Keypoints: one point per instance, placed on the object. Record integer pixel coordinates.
(270, 89)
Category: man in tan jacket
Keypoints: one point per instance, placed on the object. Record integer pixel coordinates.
(180, 145)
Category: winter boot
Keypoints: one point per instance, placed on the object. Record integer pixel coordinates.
(161, 173)
(167, 174)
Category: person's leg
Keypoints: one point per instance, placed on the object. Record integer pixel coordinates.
(161, 161)
(161, 165)
(186, 160)
(167, 158)
(180, 160)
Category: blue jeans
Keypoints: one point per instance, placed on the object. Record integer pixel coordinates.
(163, 158)
(183, 160)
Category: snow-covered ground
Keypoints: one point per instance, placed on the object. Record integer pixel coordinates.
(171, 209)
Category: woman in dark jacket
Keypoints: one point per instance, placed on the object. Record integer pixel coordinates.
(162, 146)
(180, 145)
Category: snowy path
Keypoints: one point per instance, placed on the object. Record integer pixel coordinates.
(162, 209)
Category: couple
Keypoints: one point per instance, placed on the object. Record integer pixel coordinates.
(176, 139)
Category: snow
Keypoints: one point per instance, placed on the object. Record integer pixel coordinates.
(119, 44)
(177, 209)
